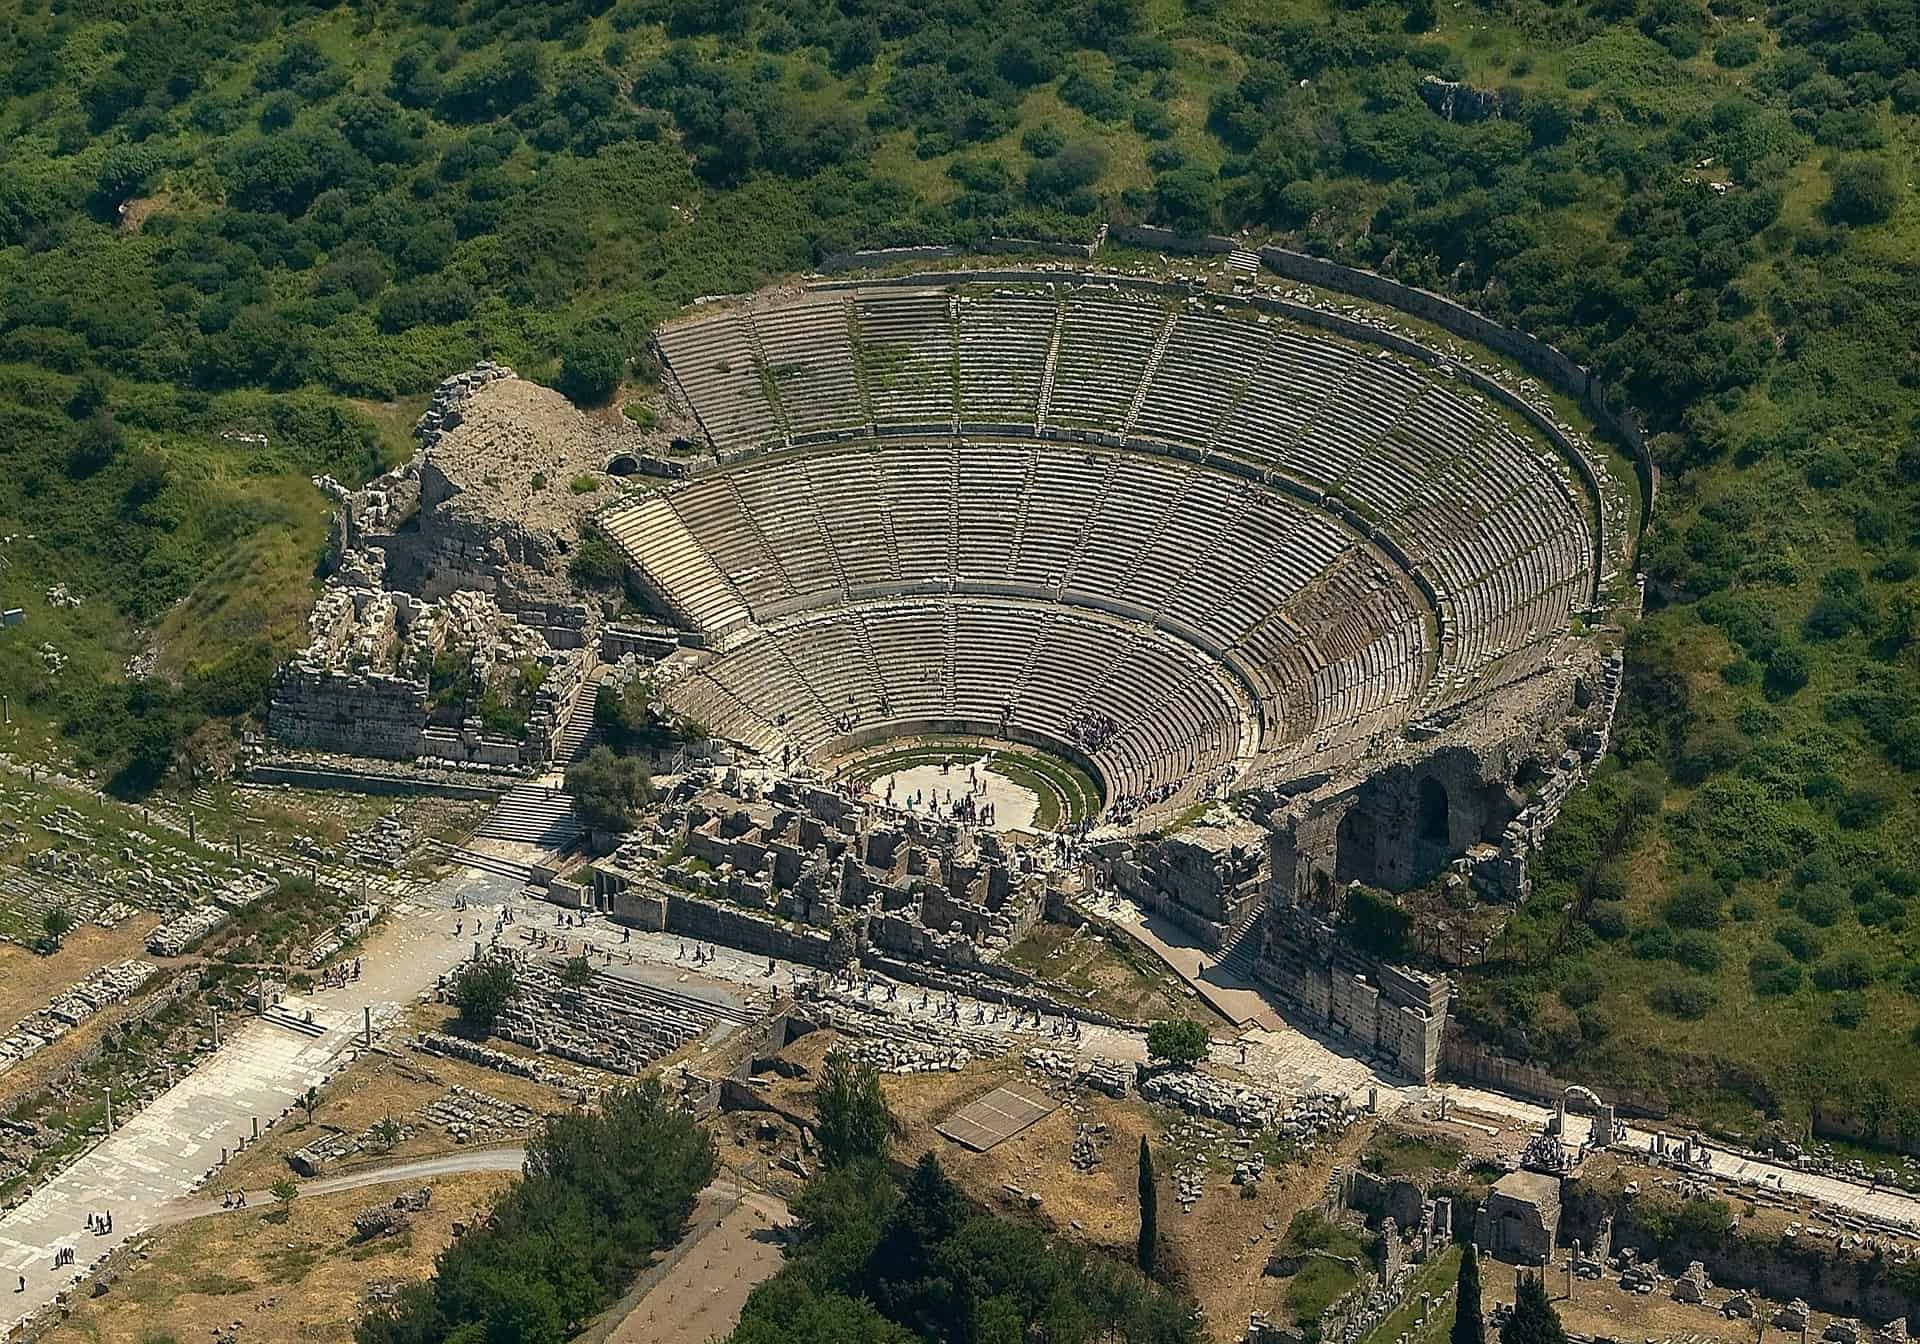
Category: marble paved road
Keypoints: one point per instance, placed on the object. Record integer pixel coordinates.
(1883, 1202)
(259, 1072)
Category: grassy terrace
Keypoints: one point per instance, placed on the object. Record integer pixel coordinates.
(1323, 1276)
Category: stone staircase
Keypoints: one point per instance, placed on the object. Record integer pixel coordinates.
(533, 814)
(642, 996)
(581, 733)
(284, 1017)
(486, 863)
(1242, 944)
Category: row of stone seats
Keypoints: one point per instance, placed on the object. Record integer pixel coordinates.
(1105, 341)
(1208, 360)
(997, 663)
(809, 358)
(1367, 426)
(1003, 341)
(677, 565)
(1219, 558)
(907, 360)
(713, 361)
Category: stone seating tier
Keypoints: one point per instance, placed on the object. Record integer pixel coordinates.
(1266, 543)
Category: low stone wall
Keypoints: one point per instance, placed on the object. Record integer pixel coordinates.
(1470, 1062)
(757, 934)
(836, 262)
(362, 781)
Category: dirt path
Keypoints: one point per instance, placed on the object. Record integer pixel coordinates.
(696, 1293)
(386, 1173)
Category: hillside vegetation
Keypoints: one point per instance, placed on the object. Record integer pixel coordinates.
(222, 219)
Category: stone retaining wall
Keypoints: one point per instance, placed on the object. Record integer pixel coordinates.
(1471, 1062)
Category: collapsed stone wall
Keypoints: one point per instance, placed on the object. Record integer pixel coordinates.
(1205, 877)
(360, 687)
(1859, 1280)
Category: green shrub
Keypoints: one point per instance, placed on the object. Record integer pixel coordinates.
(1736, 50)
(1849, 969)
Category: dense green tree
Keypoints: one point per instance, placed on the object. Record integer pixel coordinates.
(854, 1122)
(1469, 1323)
(1185, 200)
(604, 1189)
(609, 791)
(1374, 922)
(1863, 191)
(591, 369)
(1533, 1319)
(1179, 1041)
(481, 991)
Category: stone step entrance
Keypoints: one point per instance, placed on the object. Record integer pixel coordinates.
(533, 814)
(283, 1017)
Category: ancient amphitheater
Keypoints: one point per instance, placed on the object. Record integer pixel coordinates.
(1184, 541)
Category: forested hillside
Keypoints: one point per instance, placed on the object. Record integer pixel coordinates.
(221, 220)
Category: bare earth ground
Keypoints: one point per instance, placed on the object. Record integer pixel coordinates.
(300, 1282)
(393, 1085)
(1602, 1307)
(697, 1292)
(28, 980)
(1218, 1251)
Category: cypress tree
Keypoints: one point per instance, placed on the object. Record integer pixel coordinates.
(1534, 1321)
(1469, 1326)
(1149, 1211)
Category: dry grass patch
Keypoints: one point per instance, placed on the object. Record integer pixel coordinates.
(297, 1282)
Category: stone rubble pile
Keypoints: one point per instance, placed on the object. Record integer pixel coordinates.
(323, 1152)
(354, 923)
(103, 986)
(173, 937)
(906, 1045)
(386, 843)
(1072, 1071)
(242, 891)
(470, 1116)
(486, 1057)
(1693, 1285)
(1215, 1098)
(609, 1023)
(1086, 1149)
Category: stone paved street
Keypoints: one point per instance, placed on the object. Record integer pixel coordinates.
(260, 1070)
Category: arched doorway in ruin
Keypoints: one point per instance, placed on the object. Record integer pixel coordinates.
(1432, 813)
